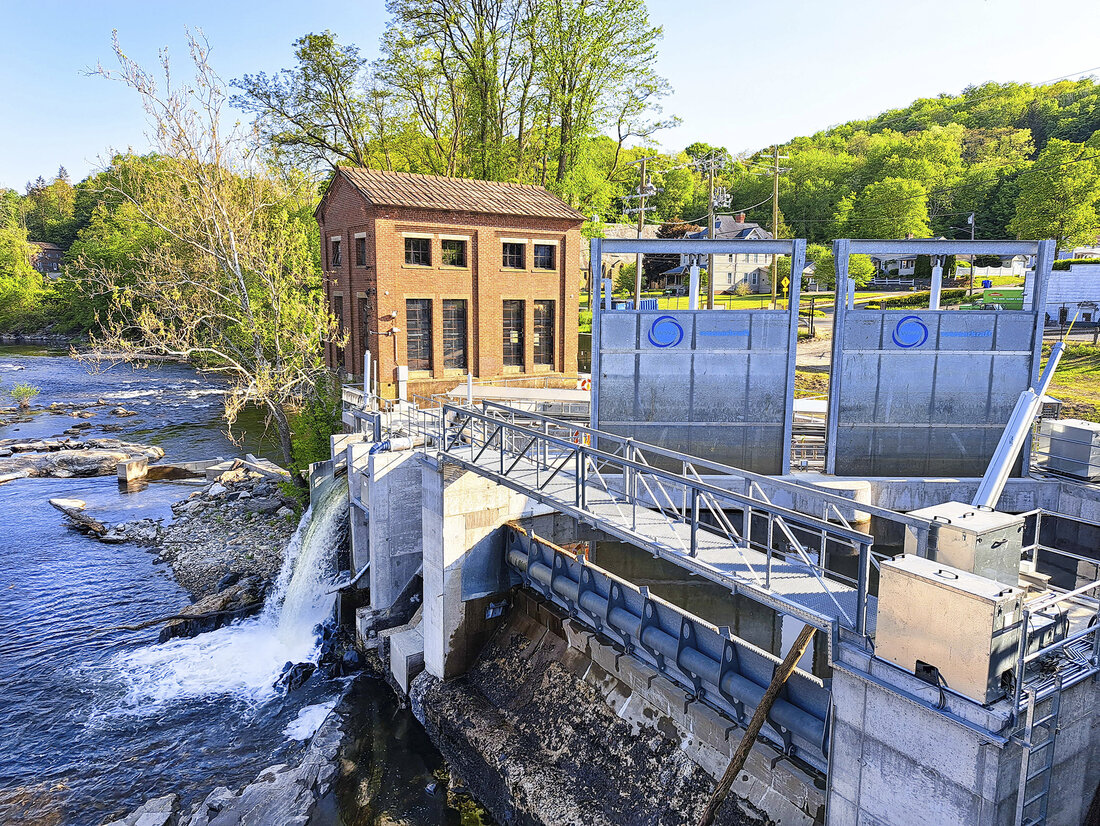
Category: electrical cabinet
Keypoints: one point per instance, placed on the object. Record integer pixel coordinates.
(1070, 447)
(965, 625)
(979, 540)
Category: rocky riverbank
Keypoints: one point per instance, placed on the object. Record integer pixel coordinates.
(237, 527)
(66, 458)
(281, 794)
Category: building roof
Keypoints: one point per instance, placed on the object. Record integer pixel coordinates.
(46, 245)
(403, 189)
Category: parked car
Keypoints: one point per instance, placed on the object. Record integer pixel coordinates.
(675, 291)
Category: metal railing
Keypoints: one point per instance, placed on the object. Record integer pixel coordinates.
(635, 481)
(1076, 655)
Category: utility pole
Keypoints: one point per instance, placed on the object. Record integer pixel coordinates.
(710, 229)
(775, 223)
(641, 225)
(970, 293)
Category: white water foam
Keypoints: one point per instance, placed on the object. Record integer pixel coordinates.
(307, 722)
(245, 659)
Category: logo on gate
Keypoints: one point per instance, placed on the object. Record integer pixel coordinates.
(665, 331)
(910, 331)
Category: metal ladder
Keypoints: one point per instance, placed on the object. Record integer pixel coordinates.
(1037, 758)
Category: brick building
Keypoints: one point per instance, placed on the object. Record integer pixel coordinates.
(448, 275)
(47, 258)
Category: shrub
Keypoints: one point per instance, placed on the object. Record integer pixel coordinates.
(898, 302)
(23, 393)
(1065, 263)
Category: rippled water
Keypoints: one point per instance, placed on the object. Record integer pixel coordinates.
(93, 720)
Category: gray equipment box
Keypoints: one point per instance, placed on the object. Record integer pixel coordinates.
(982, 541)
(965, 625)
(1070, 447)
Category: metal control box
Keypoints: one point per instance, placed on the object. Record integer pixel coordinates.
(965, 625)
(1070, 447)
(982, 541)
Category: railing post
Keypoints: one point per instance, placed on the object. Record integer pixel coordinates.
(583, 463)
(694, 521)
(861, 588)
(1020, 654)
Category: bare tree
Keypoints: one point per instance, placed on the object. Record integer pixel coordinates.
(235, 283)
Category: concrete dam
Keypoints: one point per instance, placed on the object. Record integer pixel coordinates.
(588, 608)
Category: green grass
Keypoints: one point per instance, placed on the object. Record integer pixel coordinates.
(1077, 381)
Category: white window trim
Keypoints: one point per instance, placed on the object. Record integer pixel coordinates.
(515, 240)
(454, 237)
(544, 242)
(360, 235)
(429, 236)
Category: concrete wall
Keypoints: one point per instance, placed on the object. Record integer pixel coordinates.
(462, 514)
(894, 761)
(394, 523)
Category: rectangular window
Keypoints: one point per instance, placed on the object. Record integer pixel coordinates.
(338, 314)
(418, 317)
(513, 334)
(454, 333)
(544, 257)
(418, 252)
(454, 253)
(360, 252)
(544, 333)
(335, 253)
(365, 320)
(513, 256)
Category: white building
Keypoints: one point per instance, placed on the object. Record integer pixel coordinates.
(753, 269)
(1072, 292)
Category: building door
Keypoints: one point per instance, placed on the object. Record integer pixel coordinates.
(366, 319)
(544, 333)
(513, 333)
(418, 312)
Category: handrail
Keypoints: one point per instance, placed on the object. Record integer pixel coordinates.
(805, 520)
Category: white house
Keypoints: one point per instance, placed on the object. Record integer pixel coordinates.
(752, 269)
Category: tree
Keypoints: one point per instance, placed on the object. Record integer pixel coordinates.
(234, 282)
(320, 112)
(860, 267)
(890, 208)
(1060, 193)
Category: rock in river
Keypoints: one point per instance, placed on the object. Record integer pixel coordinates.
(66, 458)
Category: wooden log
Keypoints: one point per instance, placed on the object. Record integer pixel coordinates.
(737, 762)
(81, 521)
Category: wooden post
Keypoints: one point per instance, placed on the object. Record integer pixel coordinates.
(737, 762)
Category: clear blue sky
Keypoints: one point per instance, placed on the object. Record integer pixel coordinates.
(743, 74)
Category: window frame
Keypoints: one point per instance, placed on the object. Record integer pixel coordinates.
(552, 249)
(335, 258)
(418, 239)
(510, 348)
(548, 317)
(450, 335)
(360, 245)
(424, 343)
(463, 247)
(519, 246)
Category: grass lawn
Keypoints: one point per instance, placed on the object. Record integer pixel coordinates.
(1077, 382)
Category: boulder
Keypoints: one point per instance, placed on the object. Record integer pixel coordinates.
(122, 412)
(296, 676)
(237, 600)
(216, 489)
(160, 811)
(263, 504)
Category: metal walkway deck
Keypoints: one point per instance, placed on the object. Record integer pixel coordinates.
(776, 556)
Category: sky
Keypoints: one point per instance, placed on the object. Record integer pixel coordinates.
(743, 75)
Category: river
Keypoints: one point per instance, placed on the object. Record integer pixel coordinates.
(94, 721)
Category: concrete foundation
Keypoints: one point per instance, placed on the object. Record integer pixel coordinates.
(896, 760)
(394, 539)
(464, 571)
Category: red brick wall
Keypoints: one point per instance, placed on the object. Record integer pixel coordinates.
(483, 283)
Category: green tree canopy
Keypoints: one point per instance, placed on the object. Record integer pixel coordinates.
(1060, 194)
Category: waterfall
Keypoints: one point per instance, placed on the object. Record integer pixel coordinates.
(244, 659)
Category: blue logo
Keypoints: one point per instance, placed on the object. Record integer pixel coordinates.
(665, 331)
(910, 332)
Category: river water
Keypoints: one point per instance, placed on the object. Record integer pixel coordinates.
(93, 720)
